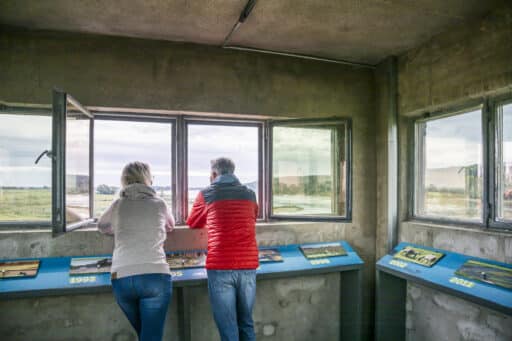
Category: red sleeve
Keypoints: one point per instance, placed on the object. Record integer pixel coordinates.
(197, 216)
(256, 211)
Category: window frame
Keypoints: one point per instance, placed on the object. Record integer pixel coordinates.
(60, 100)
(28, 110)
(488, 106)
(347, 122)
(494, 104)
(191, 120)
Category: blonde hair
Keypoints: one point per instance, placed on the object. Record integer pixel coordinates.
(136, 173)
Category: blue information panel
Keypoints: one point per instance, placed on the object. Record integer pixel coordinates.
(53, 277)
(442, 276)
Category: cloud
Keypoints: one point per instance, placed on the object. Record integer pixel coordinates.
(466, 126)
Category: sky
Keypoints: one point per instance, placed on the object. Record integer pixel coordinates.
(120, 142)
(21, 141)
(208, 142)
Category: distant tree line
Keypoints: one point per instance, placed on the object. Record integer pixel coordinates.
(110, 190)
(106, 189)
(305, 185)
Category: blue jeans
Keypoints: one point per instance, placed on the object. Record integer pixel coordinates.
(232, 295)
(144, 300)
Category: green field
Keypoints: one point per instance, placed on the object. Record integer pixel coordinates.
(35, 204)
(25, 204)
(103, 201)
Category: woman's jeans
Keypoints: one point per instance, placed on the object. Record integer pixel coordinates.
(232, 294)
(144, 299)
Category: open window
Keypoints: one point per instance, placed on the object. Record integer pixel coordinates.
(72, 164)
(310, 161)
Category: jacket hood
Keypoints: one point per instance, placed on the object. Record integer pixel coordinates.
(226, 179)
(137, 192)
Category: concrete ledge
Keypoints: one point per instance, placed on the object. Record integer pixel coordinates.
(477, 242)
(40, 243)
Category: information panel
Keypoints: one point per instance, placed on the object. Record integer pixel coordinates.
(62, 275)
(480, 280)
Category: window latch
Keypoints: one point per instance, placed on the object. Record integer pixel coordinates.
(47, 153)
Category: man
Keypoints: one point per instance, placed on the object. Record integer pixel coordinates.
(229, 210)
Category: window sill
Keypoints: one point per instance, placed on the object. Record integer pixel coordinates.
(94, 228)
(455, 226)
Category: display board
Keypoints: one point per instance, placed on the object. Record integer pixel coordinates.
(315, 251)
(269, 256)
(481, 281)
(90, 265)
(186, 259)
(85, 274)
(487, 273)
(22, 268)
(419, 255)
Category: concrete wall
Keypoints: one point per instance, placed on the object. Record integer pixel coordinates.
(382, 119)
(133, 73)
(445, 318)
(469, 61)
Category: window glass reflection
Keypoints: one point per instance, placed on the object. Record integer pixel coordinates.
(308, 171)
(449, 179)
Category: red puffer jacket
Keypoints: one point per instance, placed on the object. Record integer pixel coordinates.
(229, 211)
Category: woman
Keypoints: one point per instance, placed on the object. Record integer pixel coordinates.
(141, 279)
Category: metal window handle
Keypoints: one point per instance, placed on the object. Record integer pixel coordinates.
(47, 152)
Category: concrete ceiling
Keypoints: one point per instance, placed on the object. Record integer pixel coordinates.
(353, 30)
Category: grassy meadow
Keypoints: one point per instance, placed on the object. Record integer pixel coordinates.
(25, 204)
(35, 204)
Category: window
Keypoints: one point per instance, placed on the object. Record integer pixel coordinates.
(504, 162)
(206, 142)
(25, 187)
(457, 154)
(71, 163)
(449, 167)
(309, 169)
(62, 167)
(118, 142)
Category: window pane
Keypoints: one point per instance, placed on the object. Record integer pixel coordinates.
(504, 163)
(207, 142)
(449, 167)
(25, 188)
(77, 167)
(117, 143)
(308, 171)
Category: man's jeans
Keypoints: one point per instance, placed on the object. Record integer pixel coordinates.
(144, 299)
(232, 294)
